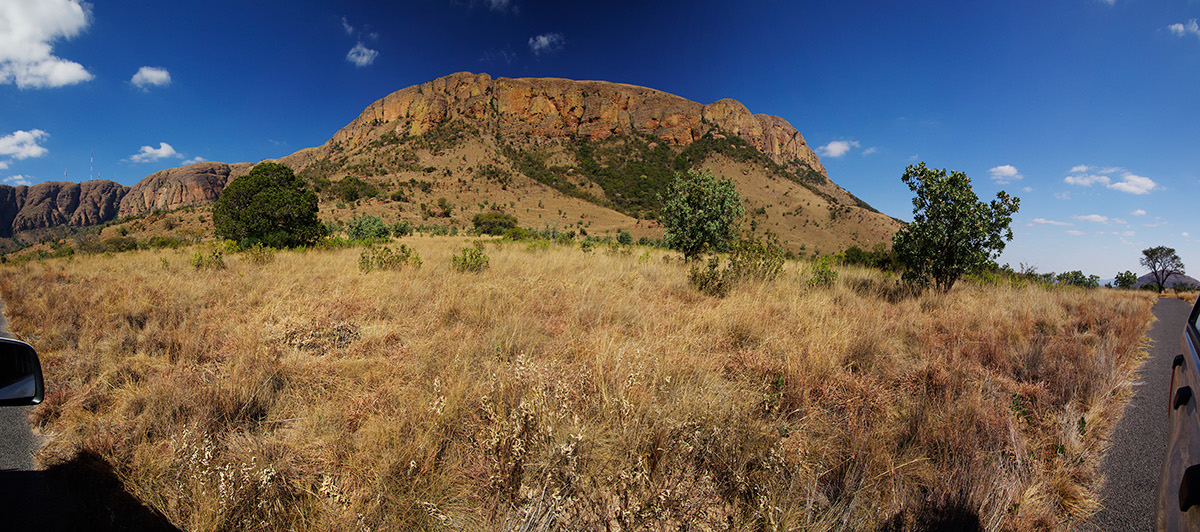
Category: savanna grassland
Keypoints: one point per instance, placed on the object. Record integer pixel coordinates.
(564, 390)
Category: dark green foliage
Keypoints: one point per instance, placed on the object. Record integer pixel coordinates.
(624, 238)
(402, 228)
(491, 172)
(1126, 280)
(471, 260)
(952, 232)
(1078, 279)
(493, 222)
(712, 279)
(1162, 263)
(350, 189)
(269, 205)
(1184, 287)
(700, 214)
(367, 227)
(879, 257)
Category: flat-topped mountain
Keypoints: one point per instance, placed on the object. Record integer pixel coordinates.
(592, 157)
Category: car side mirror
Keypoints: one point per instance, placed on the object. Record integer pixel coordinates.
(20, 374)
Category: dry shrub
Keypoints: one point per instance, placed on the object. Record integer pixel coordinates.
(555, 391)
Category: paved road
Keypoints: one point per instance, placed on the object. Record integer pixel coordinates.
(1140, 439)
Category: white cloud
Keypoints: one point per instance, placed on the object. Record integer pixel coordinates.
(1092, 218)
(17, 180)
(1005, 174)
(23, 144)
(346, 26)
(870, 150)
(837, 148)
(1128, 181)
(1134, 184)
(194, 160)
(1185, 234)
(497, 5)
(1086, 180)
(1138, 212)
(546, 43)
(1074, 232)
(1189, 28)
(147, 154)
(361, 56)
(147, 76)
(1049, 222)
(1062, 195)
(1027, 189)
(27, 30)
(1129, 233)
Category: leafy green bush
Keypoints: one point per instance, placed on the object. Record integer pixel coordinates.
(402, 228)
(624, 238)
(209, 260)
(493, 223)
(367, 227)
(383, 258)
(260, 254)
(712, 279)
(472, 259)
(821, 274)
(758, 259)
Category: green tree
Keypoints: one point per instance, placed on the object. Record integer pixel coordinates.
(1162, 263)
(952, 232)
(1126, 280)
(700, 214)
(269, 205)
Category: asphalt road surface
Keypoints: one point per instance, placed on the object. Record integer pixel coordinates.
(1140, 440)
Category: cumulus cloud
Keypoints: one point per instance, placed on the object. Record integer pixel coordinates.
(1044, 221)
(361, 56)
(151, 76)
(837, 148)
(1092, 218)
(23, 144)
(1126, 182)
(28, 28)
(1134, 184)
(1005, 174)
(1188, 28)
(546, 43)
(1139, 212)
(148, 154)
(870, 150)
(194, 160)
(17, 180)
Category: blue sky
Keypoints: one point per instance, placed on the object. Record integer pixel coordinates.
(1085, 109)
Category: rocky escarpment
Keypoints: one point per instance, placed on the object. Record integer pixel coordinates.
(552, 107)
(197, 184)
(56, 203)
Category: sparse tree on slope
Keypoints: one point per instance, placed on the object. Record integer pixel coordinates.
(700, 214)
(952, 232)
(1162, 263)
(269, 205)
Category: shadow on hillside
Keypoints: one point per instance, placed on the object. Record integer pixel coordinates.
(81, 494)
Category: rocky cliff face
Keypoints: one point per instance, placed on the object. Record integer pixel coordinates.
(552, 107)
(56, 203)
(197, 184)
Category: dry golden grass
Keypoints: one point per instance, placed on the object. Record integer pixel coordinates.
(559, 390)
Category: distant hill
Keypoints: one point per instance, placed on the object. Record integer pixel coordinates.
(1149, 279)
(589, 156)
